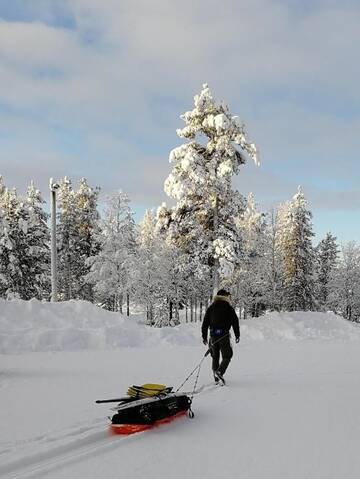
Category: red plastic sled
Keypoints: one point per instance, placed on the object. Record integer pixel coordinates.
(127, 429)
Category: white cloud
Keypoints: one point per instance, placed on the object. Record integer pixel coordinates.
(124, 72)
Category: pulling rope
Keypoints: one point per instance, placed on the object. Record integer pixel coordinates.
(197, 368)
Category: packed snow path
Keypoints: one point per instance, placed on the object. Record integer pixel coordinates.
(290, 410)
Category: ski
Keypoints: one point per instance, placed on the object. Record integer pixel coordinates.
(144, 401)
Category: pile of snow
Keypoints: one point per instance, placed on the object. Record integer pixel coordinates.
(300, 325)
(78, 325)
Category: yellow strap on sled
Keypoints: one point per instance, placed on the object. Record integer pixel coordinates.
(146, 390)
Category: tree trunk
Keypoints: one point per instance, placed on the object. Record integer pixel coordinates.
(121, 304)
(170, 311)
(151, 315)
(177, 316)
(216, 276)
(127, 304)
(216, 283)
(68, 279)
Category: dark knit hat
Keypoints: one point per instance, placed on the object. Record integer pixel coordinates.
(222, 292)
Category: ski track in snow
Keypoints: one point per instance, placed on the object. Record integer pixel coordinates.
(81, 442)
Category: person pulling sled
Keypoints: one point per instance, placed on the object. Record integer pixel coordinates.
(219, 318)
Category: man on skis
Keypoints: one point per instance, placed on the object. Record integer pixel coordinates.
(219, 318)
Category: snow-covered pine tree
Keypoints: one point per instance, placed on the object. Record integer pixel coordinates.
(250, 274)
(5, 239)
(2, 240)
(111, 270)
(188, 275)
(196, 286)
(2, 186)
(327, 256)
(2, 232)
(37, 239)
(76, 232)
(202, 222)
(273, 269)
(186, 286)
(295, 234)
(170, 292)
(159, 279)
(86, 199)
(174, 270)
(149, 276)
(66, 239)
(344, 295)
(13, 248)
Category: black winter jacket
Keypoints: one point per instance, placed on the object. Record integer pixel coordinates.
(219, 318)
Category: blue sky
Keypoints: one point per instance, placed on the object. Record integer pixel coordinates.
(95, 89)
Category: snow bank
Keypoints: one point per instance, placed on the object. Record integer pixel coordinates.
(78, 325)
(300, 325)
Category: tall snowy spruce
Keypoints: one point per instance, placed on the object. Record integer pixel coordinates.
(327, 253)
(295, 234)
(273, 268)
(76, 238)
(202, 223)
(24, 245)
(149, 274)
(66, 237)
(38, 246)
(111, 270)
(159, 282)
(249, 275)
(344, 295)
(12, 244)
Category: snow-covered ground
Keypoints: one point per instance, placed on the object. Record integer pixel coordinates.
(290, 410)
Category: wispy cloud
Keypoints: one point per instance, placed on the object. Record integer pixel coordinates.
(97, 88)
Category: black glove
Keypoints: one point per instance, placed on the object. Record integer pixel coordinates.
(237, 340)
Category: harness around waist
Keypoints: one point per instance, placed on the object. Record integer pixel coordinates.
(218, 332)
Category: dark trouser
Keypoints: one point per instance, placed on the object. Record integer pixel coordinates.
(224, 347)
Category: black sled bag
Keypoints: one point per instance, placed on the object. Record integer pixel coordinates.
(153, 410)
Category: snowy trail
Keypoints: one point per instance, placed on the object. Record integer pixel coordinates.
(80, 443)
(71, 451)
(289, 410)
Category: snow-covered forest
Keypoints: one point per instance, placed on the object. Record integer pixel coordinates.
(169, 264)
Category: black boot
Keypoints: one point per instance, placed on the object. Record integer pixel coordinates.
(220, 377)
